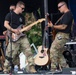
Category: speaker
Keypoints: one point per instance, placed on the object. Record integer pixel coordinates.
(69, 71)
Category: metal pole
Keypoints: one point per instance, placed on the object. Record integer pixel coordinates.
(45, 10)
(46, 32)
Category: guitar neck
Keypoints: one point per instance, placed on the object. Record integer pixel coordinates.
(25, 28)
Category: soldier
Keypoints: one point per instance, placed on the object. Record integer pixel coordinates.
(63, 30)
(22, 43)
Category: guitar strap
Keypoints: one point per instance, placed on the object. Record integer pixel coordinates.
(54, 30)
(59, 19)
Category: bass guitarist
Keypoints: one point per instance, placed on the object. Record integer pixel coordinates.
(12, 21)
(63, 30)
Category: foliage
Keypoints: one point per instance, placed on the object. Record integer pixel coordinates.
(34, 35)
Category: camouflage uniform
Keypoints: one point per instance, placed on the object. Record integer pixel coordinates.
(56, 51)
(24, 46)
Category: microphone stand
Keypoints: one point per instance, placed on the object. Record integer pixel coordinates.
(10, 38)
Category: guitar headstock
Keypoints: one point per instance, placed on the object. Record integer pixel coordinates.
(42, 19)
(48, 18)
(47, 14)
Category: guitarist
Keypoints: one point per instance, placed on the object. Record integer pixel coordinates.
(63, 30)
(12, 21)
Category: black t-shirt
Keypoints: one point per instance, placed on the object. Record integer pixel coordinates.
(14, 19)
(66, 20)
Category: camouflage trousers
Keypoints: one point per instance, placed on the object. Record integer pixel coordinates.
(56, 51)
(22, 45)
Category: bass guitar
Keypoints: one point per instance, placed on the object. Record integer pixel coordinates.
(53, 32)
(15, 37)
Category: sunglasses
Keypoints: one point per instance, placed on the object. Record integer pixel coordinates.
(22, 8)
(60, 6)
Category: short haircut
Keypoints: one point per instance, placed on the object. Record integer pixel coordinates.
(63, 2)
(20, 3)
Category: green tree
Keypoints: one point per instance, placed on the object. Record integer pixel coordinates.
(34, 35)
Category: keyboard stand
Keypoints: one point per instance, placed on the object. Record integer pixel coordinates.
(2, 58)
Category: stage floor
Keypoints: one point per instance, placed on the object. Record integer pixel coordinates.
(65, 71)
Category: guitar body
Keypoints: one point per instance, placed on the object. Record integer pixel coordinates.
(15, 37)
(42, 57)
(53, 34)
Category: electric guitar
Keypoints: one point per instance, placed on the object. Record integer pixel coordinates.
(53, 32)
(42, 57)
(15, 37)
